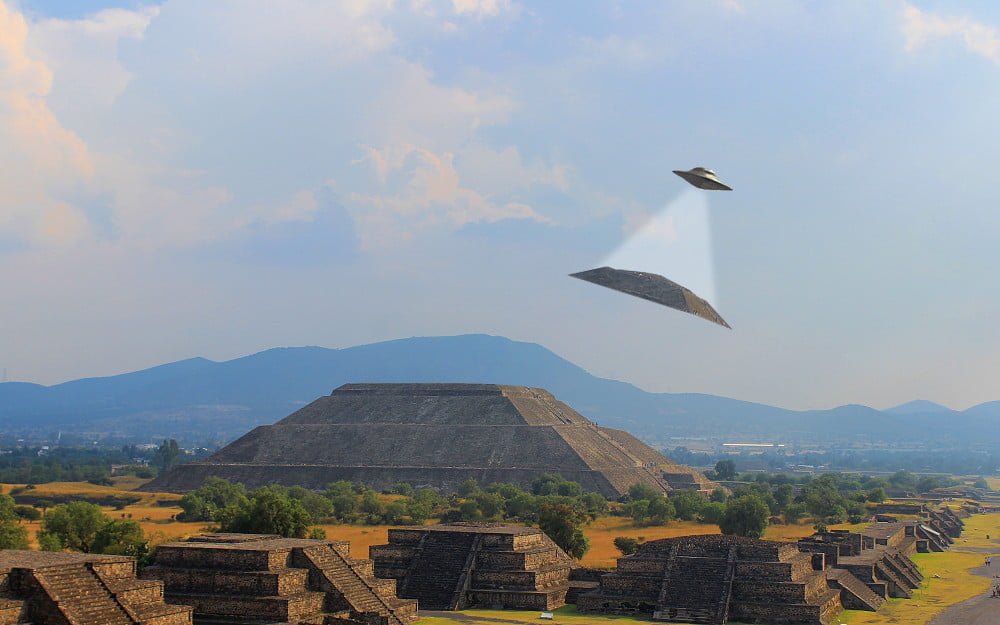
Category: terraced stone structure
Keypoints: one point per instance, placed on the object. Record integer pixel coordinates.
(264, 579)
(712, 579)
(878, 557)
(46, 588)
(462, 565)
(436, 435)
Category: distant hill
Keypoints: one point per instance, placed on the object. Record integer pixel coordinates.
(919, 407)
(198, 400)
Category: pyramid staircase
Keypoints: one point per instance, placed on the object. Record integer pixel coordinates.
(440, 570)
(696, 590)
(855, 594)
(80, 589)
(267, 580)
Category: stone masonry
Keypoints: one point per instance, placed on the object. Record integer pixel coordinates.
(45, 588)
(436, 435)
(264, 580)
(712, 579)
(461, 565)
(878, 556)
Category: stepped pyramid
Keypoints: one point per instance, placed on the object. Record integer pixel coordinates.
(47, 588)
(268, 580)
(436, 435)
(462, 565)
(713, 579)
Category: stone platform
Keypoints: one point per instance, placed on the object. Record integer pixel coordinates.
(264, 580)
(46, 588)
(712, 579)
(464, 565)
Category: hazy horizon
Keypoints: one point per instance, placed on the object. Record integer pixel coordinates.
(182, 178)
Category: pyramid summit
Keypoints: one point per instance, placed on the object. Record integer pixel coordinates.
(436, 435)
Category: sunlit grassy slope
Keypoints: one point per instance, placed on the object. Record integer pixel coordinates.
(948, 579)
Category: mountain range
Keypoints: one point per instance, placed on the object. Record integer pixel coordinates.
(199, 400)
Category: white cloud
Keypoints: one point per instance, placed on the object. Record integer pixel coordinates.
(418, 189)
(40, 160)
(481, 8)
(922, 27)
(83, 56)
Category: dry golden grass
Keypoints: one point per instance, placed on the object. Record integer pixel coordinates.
(602, 533)
(994, 482)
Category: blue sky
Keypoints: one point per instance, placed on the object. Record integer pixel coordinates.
(188, 178)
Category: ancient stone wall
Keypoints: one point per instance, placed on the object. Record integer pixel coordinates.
(467, 564)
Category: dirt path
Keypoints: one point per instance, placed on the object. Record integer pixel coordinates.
(981, 610)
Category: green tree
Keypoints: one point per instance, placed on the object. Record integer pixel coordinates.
(626, 545)
(122, 538)
(725, 470)
(641, 491)
(469, 511)
(267, 511)
(784, 495)
(719, 496)
(687, 503)
(49, 542)
(876, 495)
(166, 455)
(13, 535)
(8, 509)
(795, 512)
(468, 488)
(401, 488)
(215, 494)
(75, 525)
(660, 510)
(712, 512)
(317, 533)
(981, 483)
(745, 516)
(28, 513)
(563, 523)
(395, 513)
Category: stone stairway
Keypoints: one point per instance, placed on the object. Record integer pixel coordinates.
(698, 590)
(354, 581)
(905, 569)
(437, 569)
(80, 596)
(900, 587)
(854, 594)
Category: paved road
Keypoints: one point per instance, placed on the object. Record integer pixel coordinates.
(981, 610)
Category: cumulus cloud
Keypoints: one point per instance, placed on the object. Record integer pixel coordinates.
(923, 27)
(418, 189)
(41, 162)
(481, 8)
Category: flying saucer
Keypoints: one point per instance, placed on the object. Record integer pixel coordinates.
(703, 179)
(652, 287)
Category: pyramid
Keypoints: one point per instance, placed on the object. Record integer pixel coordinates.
(436, 435)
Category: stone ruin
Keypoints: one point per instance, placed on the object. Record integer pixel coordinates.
(264, 579)
(47, 588)
(462, 565)
(436, 435)
(711, 579)
(878, 557)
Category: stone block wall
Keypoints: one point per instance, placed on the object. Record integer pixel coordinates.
(467, 564)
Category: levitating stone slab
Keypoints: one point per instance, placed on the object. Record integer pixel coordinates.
(652, 287)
